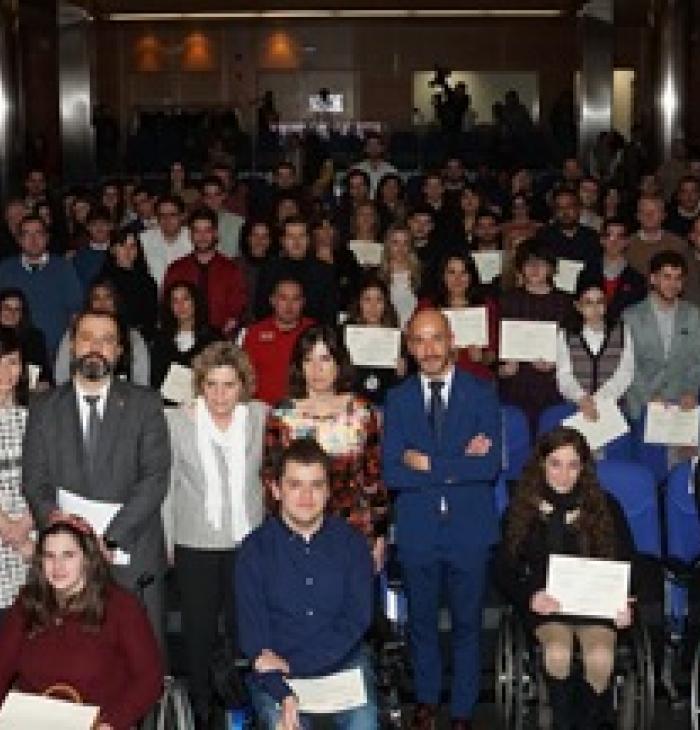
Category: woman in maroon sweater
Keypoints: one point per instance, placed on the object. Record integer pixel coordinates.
(72, 625)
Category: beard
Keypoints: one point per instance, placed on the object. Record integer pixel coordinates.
(92, 366)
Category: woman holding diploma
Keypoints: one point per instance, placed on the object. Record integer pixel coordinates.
(532, 386)
(345, 425)
(373, 308)
(73, 625)
(559, 508)
(458, 286)
(595, 357)
(401, 271)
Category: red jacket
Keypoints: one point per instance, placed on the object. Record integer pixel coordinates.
(225, 286)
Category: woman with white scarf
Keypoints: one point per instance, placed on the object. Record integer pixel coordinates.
(215, 500)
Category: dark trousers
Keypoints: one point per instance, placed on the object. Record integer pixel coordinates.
(464, 577)
(205, 582)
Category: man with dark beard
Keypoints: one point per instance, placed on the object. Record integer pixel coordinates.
(104, 440)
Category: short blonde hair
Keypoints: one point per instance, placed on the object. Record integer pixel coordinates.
(224, 354)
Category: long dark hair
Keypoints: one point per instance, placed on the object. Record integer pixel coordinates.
(10, 343)
(474, 293)
(116, 239)
(389, 316)
(168, 322)
(595, 524)
(304, 344)
(38, 597)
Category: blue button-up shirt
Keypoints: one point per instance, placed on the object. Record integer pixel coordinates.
(309, 601)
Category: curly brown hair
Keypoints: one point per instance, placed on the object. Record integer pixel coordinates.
(39, 600)
(595, 524)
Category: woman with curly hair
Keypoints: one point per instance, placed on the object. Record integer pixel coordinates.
(323, 407)
(73, 627)
(559, 508)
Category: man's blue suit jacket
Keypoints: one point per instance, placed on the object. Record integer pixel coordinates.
(465, 482)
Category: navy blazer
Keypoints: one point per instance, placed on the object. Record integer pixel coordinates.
(464, 482)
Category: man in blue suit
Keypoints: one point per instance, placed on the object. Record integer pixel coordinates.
(441, 453)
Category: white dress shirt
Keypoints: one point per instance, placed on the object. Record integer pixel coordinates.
(447, 379)
(84, 408)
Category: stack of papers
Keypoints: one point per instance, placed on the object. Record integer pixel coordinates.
(335, 693)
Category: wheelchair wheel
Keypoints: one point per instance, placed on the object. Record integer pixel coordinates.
(636, 705)
(695, 692)
(511, 654)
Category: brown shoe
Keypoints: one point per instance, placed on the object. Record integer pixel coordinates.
(424, 717)
(461, 723)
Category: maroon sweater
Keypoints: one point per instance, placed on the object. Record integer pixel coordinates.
(117, 667)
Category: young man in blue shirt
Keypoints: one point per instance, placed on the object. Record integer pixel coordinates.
(303, 587)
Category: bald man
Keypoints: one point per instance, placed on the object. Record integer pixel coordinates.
(441, 454)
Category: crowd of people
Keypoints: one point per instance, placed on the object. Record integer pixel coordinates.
(274, 491)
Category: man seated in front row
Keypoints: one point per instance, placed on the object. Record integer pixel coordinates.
(303, 588)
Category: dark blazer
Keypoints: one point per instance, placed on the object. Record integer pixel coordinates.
(132, 467)
(632, 288)
(465, 482)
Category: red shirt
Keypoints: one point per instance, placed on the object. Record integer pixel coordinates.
(117, 667)
(223, 282)
(270, 351)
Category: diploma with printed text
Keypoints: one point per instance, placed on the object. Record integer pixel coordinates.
(528, 341)
(335, 693)
(611, 424)
(669, 424)
(367, 253)
(22, 711)
(469, 326)
(373, 347)
(566, 275)
(588, 586)
(489, 264)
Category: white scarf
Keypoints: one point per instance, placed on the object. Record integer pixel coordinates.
(232, 442)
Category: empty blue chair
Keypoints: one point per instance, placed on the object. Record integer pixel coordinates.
(682, 541)
(634, 487)
(516, 441)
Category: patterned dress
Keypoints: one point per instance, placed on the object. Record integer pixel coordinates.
(13, 568)
(351, 438)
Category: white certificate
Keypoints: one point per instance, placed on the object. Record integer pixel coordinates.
(527, 341)
(335, 693)
(588, 586)
(367, 253)
(489, 264)
(97, 514)
(178, 385)
(21, 711)
(469, 326)
(373, 347)
(611, 424)
(671, 425)
(566, 275)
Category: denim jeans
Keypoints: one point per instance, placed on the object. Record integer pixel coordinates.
(267, 711)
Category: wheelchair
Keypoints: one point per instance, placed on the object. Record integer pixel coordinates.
(519, 683)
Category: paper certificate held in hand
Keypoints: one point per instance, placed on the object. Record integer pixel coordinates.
(669, 424)
(611, 424)
(178, 385)
(469, 326)
(527, 341)
(489, 264)
(22, 711)
(335, 693)
(373, 347)
(367, 253)
(566, 275)
(588, 586)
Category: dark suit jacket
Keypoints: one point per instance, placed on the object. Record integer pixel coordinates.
(464, 481)
(132, 466)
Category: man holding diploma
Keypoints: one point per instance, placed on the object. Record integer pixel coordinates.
(560, 509)
(441, 451)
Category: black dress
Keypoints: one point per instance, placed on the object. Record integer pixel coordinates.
(139, 297)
